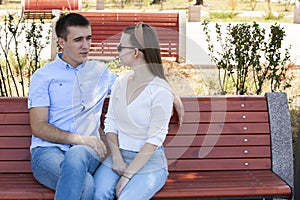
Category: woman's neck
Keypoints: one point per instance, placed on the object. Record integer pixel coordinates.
(142, 73)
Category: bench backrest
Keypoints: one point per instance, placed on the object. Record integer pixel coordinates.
(218, 133)
(48, 5)
(107, 27)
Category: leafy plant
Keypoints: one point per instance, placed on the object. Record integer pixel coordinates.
(244, 50)
(20, 61)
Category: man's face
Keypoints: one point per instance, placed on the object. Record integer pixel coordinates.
(76, 47)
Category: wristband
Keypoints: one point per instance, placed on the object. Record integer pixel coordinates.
(126, 177)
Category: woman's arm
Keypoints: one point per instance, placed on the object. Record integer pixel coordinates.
(119, 165)
(179, 108)
(138, 162)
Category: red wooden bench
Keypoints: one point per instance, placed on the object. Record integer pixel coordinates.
(36, 9)
(225, 149)
(107, 27)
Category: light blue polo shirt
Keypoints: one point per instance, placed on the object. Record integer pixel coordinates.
(74, 96)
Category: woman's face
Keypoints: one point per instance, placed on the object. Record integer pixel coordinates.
(127, 50)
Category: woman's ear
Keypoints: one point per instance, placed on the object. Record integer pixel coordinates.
(136, 52)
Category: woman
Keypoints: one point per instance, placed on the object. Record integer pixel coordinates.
(137, 121)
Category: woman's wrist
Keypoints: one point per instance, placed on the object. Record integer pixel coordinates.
(127, 177)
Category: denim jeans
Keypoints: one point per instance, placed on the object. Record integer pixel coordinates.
(69, 173)
(143, 185)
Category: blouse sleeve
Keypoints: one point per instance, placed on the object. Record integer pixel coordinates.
(161, 111)
(109, 122)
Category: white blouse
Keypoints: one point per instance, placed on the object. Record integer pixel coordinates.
(145, 119)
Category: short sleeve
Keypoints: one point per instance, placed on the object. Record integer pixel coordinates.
(38, 91)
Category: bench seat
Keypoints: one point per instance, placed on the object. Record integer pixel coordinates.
(259, 183)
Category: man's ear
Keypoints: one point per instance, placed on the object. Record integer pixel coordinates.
(61, 42)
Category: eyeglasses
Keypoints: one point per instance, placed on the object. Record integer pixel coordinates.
(120, 47)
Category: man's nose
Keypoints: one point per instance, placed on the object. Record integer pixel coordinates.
(86, 43)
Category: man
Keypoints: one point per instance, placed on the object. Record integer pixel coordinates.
(65, 102)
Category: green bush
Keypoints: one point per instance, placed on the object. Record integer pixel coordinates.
(248, 58)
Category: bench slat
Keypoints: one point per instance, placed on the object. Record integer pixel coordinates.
(15, 142)
(214, 117)
(221, 140)
(219, 164)
(218, 152)
(15, 167)
(237, 184)
(23, 186)
(14, 154)
(216, 128)
(226, 104)
(15, 118)
(15, 130)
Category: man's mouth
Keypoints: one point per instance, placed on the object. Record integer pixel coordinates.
(84, 53)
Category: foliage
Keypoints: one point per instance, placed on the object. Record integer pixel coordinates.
(16, 69)
(246, 49)
(295, 124)
(272, 16)
(222, 15)
(116, 67)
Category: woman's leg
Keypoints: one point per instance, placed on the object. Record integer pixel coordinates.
(143, 186)
(105, 181)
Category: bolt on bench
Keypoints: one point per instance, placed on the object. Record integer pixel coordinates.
(229, 147)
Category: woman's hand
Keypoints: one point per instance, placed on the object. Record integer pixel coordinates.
(121, 185)
(119, 166)
(179, 108)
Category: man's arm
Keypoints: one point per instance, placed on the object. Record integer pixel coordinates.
(42, 129)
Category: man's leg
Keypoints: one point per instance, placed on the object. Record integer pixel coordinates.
(45, 163)
(76, 180)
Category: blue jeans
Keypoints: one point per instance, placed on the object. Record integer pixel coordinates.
(69, 173)
(143, 185)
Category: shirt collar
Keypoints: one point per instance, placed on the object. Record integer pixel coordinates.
(66, 65)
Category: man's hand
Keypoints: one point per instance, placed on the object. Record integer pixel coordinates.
(94, 142)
